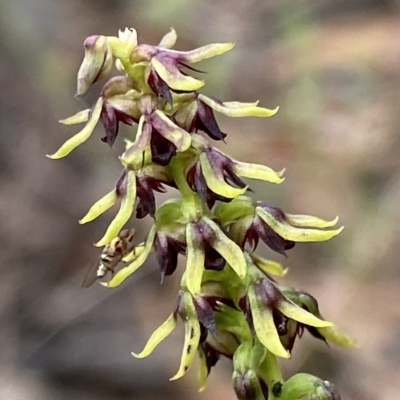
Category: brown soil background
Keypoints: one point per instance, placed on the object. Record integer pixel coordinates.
(332, 67)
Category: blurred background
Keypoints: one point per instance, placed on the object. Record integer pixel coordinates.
(333, 68)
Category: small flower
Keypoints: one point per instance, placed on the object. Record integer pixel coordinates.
(117, 103)
(248, 382)
(97, 63)
(173, 234)
(92, 117)
(248, 222)
(194, 115)
(150, 179)
(197, 316)
(194, 112)
(215, 176)
(268, 310)
(156, 130)
(204, 234)
(120, 104)
(167, 237)
(163, 72)
(125, 190)
(309, 303)
(305, 386)
(167, 249)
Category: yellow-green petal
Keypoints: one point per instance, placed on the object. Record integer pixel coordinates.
(100, 207)
(192, 338)
(297, 313)
(239, 207)
(78, 118)
(96, 64)
(195, 260)
(237, 109)
(296, 234)
(202, 372)
(82, 136)
(133, 155)
(334, 335)
(176, 81)
(169, 40)
(173, 133)
(208, 51)
(303, 386)
(215, 180)
(228, 249)
(268, 266)
(124, 213)
(257, 171)
(135, 253)
(157, 337)
(138, 261)
(310, 221)
(265, 327)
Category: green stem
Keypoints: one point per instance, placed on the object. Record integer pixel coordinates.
(271, 373)
(192, 205)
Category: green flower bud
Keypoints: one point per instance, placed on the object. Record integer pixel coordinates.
(96, 64)
(307, 387)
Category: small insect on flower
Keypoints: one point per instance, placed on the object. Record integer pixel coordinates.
(110, 257)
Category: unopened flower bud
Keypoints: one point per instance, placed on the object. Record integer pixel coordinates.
(97, 63)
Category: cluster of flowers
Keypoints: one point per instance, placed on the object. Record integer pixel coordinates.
(228, 301)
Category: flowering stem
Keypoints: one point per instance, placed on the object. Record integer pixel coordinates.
(192, 205)
(271, 373)
(230, 305)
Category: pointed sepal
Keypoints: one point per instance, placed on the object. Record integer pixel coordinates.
(82, 136)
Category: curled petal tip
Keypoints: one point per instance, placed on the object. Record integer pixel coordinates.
(53, 156)
(281, 173)
(137, 355)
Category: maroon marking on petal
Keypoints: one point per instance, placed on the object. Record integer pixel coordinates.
(197, 183)
(314, 332)
(200, 183)
(145, 186)
(146, 204)
(271, 238)
(276, 212)
(120, 187)
(203, 334)
(162, 150)
(244, 305)
(264, 388)
(212, 355)
(281, 322)
(167, 251)
(159, 87)
(178, 246)
(161, 248)
(191, 68)
(205, 314)
(190, 177)
(125, 118)
(206, 122)
(110, 124)
(300, 330)
(213, 260)
(178, 304)
(232, 179)
(267, 291)
(251, 237)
